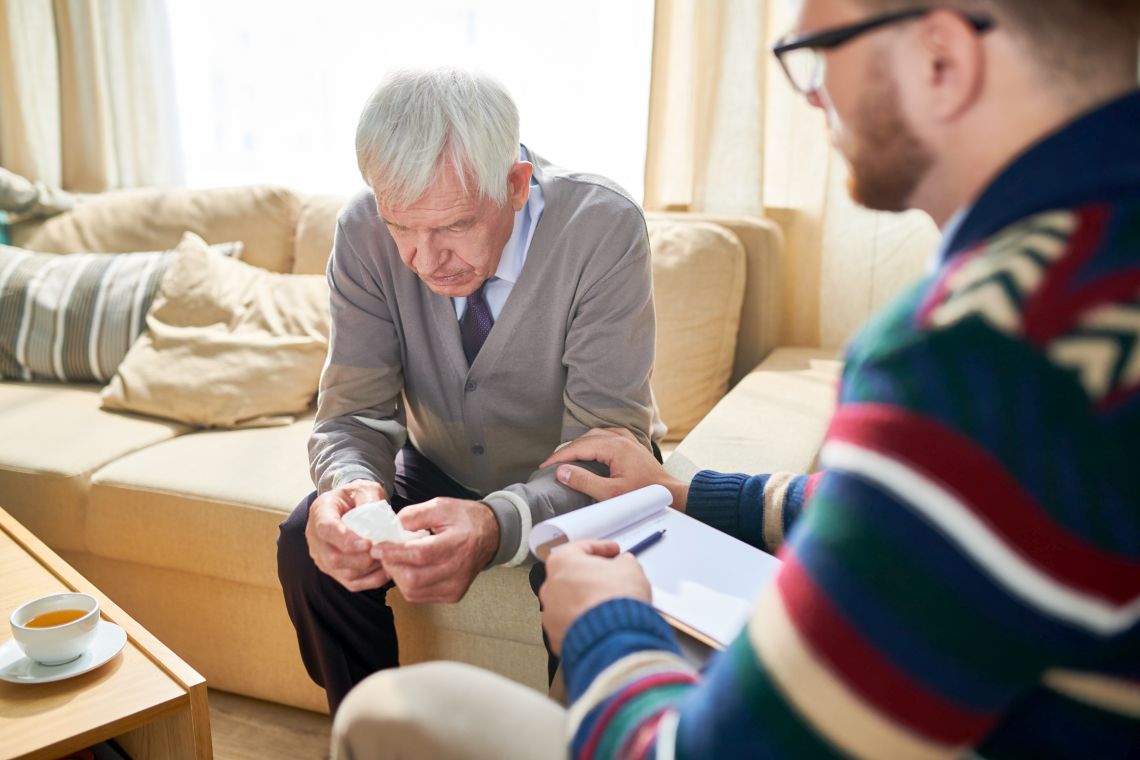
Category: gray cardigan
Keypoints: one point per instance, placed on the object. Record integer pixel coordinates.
(571, 350)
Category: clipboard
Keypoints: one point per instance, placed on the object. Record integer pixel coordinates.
(705, 582)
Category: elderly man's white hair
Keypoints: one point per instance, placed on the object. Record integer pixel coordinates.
(418, 121)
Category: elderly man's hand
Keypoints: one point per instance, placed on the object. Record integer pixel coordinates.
(581, 575)
(441, 567)
(336, 550)
(631, 466)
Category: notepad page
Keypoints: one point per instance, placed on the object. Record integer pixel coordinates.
(706, 579)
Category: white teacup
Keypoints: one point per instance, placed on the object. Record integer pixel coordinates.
(60, 643)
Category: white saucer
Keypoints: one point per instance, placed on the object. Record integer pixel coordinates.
(16, 668)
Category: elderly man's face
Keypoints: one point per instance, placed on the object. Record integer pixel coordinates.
(452, 239)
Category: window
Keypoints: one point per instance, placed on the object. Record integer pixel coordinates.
(270, 91)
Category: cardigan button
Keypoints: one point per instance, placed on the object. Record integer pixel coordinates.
(477, 449)
(470, 386)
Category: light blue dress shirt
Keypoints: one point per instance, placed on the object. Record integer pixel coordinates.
(514, 252)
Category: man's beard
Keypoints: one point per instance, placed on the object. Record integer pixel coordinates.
(888, 160)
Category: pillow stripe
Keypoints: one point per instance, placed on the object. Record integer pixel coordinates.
(11, 308)
(60, 332)
(33, 346)
(97, 367)
(79, 318)
(116, 335)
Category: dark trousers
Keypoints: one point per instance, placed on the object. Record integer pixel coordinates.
(347, 636)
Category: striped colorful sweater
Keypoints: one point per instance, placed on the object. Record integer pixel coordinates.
(964, 574)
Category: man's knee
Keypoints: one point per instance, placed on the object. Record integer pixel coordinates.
(397, 713)
(293, 560)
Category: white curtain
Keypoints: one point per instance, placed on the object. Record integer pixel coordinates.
(706, 131)
(728, 135)
(86, 93)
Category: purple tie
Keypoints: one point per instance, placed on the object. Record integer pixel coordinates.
(476, 323)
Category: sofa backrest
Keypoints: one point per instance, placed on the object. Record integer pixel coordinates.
(263, 217)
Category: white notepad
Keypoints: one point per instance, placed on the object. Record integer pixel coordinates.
(705, 582)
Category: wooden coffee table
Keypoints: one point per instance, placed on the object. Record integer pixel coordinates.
(146, 698)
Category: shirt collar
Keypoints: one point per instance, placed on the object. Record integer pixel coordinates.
(1092, 159)
(515, 251)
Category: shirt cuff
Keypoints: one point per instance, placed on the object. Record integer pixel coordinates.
(515, 521)
(608, 632)
(349, 474)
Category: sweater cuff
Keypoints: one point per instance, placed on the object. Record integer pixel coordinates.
(608, 632)
(714, 499)
(342, 477)
(515, 521)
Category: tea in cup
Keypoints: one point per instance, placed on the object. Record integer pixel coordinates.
(56, 629)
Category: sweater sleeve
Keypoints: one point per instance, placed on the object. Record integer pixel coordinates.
(757, 509)
(942, 570)
(360, 423)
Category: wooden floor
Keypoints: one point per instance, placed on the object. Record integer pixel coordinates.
(249, 729)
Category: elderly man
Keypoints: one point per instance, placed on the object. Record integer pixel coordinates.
(963, 577)
(486, 306)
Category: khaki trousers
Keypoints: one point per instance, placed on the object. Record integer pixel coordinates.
(444, 710)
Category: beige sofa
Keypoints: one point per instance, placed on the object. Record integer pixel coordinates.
(179, 525)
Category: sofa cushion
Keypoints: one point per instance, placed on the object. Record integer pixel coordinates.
(698, 286)
(227, 345)
(73, 317)
(263, 217)
(55, 436)
(208, 502)
(773, 420)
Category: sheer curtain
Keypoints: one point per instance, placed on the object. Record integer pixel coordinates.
(86, 93)
(728, 135)
(274, 93)
(706, 127)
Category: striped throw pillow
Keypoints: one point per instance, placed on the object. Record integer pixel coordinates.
(73, 317)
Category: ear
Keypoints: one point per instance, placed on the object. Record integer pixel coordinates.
(518, 183)
(951, 64)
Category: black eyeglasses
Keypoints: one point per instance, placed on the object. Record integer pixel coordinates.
(801, 57)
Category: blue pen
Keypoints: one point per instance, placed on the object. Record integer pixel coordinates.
(646, 542)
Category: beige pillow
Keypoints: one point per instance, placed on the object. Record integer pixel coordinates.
(227, 344)
(698, 289)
